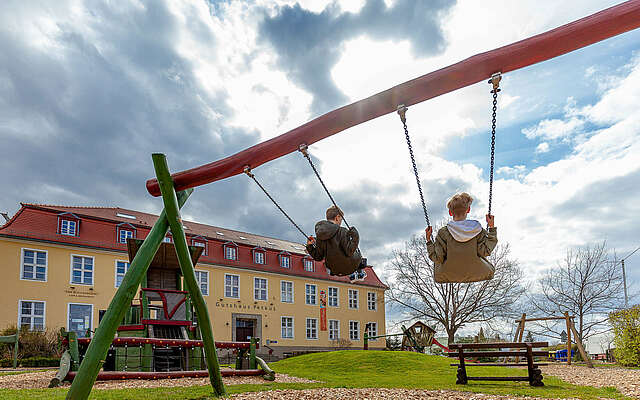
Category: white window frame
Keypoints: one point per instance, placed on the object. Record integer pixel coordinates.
(313, 329)
(46, 266)
(308, 261)
(373, 302)
(266, 288)
(121, 230)
(337, 297)
(67, 231)
(115, 268)
(259, 257)
(357, 299)
(357, 330)
(44, 313)
(337, 331)
(198, 273)
(371, 323)
(93, 271)
(282, 292)
(167, 239)
(225, 286)
(315, 294)
(292, 327)
(200, 243)
(229, 246)
(69, 312)
(283, 256)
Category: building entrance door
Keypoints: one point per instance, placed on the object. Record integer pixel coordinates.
(245, 329)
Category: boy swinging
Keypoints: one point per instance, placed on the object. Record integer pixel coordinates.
(461, 247)
(338, 246)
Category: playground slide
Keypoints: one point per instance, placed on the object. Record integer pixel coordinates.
(443, 347)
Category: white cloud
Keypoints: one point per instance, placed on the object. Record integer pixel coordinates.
(542, 148)
(553, 129)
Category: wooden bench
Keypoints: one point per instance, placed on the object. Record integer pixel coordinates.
(513, 349)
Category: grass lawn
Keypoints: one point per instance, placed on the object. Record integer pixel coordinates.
(357, 369)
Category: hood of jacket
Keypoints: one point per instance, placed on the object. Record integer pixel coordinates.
(325, 230)
(463, 231)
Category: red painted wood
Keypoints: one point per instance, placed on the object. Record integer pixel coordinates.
(136, 341)
(121, 375)
(564, 39)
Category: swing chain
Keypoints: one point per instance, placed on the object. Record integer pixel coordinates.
(495, 82)
(304, 149)
(402, 111)
(247, 170)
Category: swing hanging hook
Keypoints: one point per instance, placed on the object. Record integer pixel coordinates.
(247, 170)
(495, 81)
(304, 149)
(402, 112)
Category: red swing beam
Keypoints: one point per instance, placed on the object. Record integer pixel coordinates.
(594, 28)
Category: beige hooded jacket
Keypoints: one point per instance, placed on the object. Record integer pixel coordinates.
(459, 252)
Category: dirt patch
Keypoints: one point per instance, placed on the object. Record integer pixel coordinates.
(627, 381)
(35, 380)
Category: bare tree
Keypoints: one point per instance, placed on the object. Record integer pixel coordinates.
(453, 305)
(587, 284)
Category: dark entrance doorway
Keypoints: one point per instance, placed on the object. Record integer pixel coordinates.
(245, 329)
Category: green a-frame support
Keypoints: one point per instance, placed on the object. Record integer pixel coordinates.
(104, 335)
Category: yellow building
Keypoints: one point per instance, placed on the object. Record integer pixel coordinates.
(62, 265)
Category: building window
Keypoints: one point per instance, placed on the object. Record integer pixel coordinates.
(258, 256)
(68, 227)
(312, 328)
(167, 239)
(34, 265)
(334, 329)
(232, 286)
(354, 330)
(286, 292)
(124, 234)
(202, 277)
(260, 289)
(308, 264)
(372, 303)
(353, 298)
(285, 261)
(372, 329)
(286, 324)
(310, 294)
(200, 243)
(31, 315)
(80, 319)
(82, 270)
(230, 251)
(332, 296)
(121, 269)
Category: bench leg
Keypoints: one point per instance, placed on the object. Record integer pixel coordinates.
(461, 377)
(537, 377)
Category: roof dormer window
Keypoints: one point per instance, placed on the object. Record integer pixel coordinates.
(200, 241)
(68, 224)
(230, 251)
(125, 231)
(259, 255)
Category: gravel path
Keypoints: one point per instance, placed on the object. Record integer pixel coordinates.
(371, 394)
(627, 381)
(41, 380)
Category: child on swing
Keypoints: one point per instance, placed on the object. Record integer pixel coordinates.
(461, 246)
(338, 246)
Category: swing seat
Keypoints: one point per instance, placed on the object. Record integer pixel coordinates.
(462, 263)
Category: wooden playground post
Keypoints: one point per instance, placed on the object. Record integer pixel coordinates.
(186, 265)
(518, 335)
(568, 321)
(97, 351)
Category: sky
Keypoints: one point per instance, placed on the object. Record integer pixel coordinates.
(89, 89)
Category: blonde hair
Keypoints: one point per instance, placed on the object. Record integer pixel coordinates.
(459, 203)
(333, 212)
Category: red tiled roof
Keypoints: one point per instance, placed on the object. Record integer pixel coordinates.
(36, 221)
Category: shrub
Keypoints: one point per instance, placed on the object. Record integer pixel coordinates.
(626, 328)
(32, 344)
(31, 362)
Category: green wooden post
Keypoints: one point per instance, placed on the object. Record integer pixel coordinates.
(15, 349)
(366, 341)
(97, 351)
(252, 354)
(186, 265)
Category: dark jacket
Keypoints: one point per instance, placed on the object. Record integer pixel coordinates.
(338, 246)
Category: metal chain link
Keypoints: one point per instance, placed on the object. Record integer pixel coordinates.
(401, 111)
(495, 81)
(250, 174)
(305, 152)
